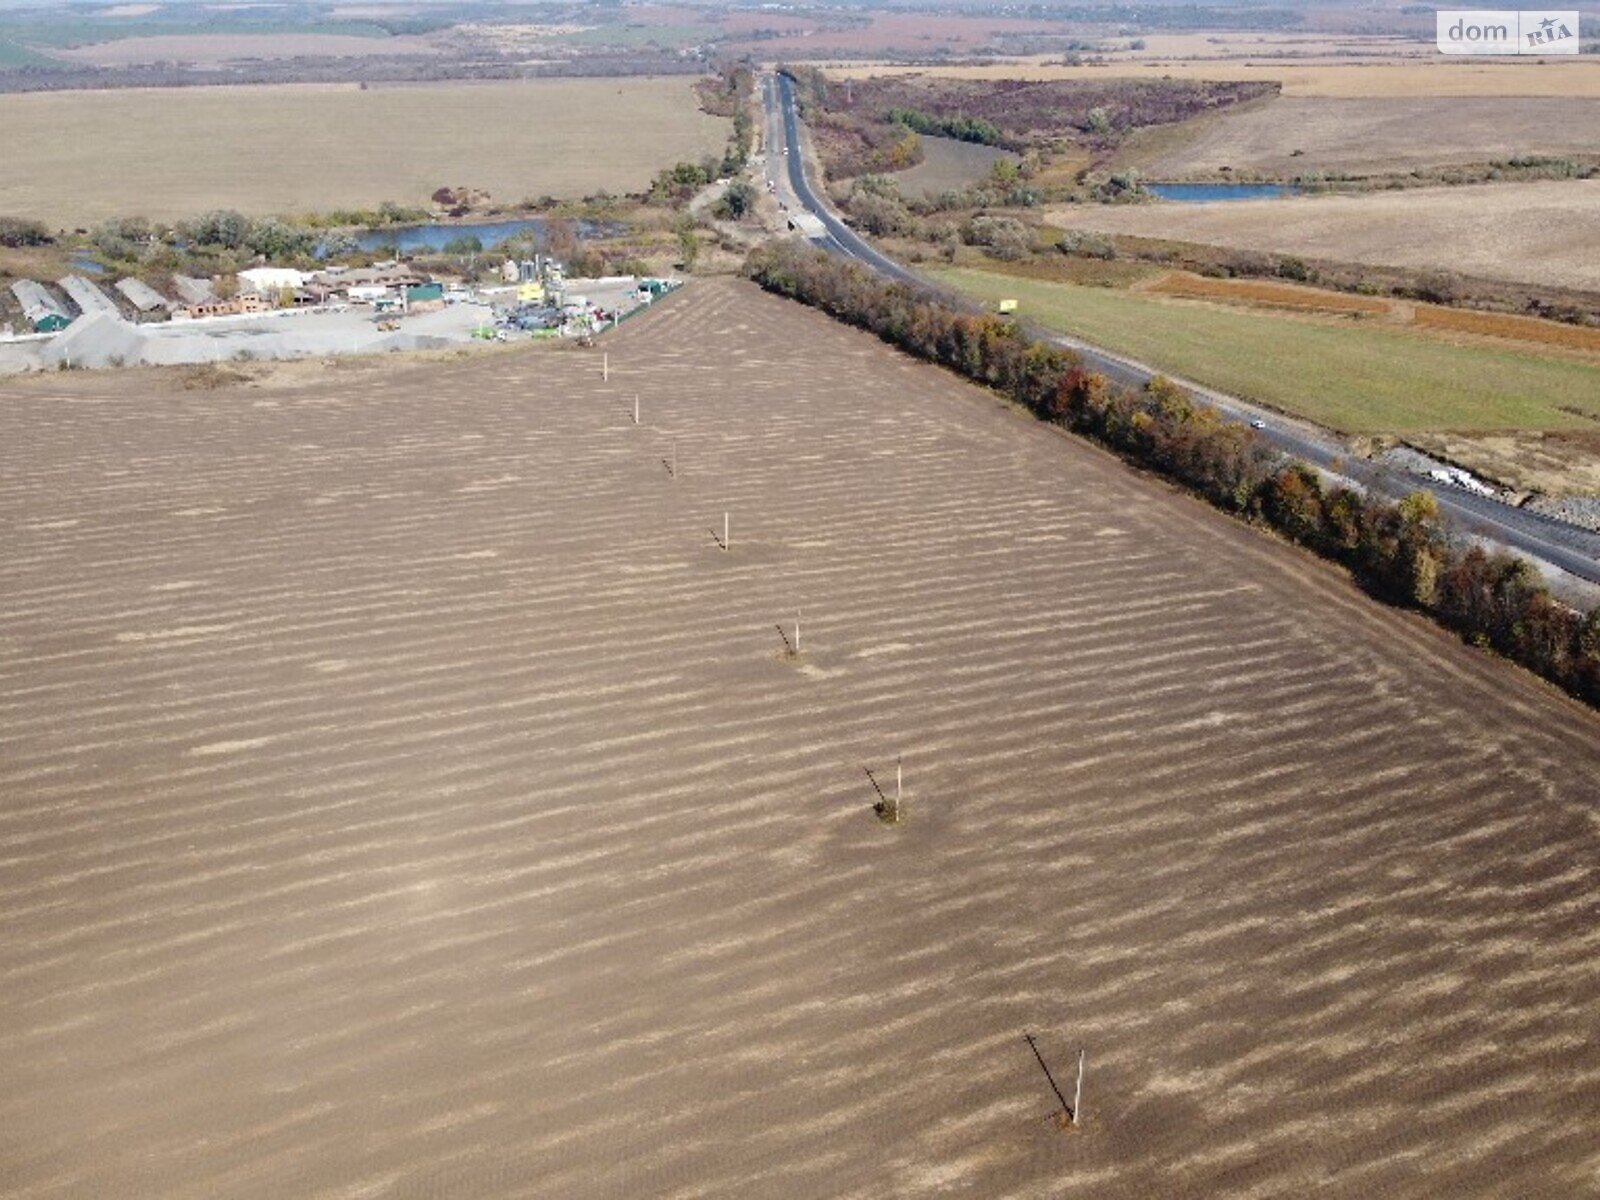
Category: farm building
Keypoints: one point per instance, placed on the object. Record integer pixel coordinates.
(44, 312)
(193, 291)
(89, 298)
(245, 305)
(141, 295)
(386, 275)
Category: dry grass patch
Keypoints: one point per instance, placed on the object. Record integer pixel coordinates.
(1527, 331)
(948, 165)
(1260, 293)
(176, 152)
(210, 377)
(1556, 463)
(1508, 327)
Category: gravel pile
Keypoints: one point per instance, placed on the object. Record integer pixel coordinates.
(1583, 511)
(101, 340)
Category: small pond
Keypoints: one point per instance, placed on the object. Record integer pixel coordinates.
(1210, 193)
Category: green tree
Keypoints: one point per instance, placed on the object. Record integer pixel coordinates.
(339, 244)
(275, 239)
(737, 202)
(688, 245)
(224, 227)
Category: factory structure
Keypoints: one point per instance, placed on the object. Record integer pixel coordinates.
(282, 312)
(386, 287)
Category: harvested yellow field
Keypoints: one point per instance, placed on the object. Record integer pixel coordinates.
(1262, 293)
(1257, 46)
(214, 49)
(1432, 77)
(179, 151)
(1547, 232)
(1288, 136)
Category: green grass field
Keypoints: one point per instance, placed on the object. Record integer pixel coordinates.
(1357, 378)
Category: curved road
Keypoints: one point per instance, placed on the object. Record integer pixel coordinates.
(1567, 547)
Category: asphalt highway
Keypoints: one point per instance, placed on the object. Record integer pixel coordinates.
(1567, 547)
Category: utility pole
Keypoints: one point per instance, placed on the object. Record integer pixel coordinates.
(1077, 1095)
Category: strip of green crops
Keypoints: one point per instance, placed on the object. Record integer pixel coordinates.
(1356, 377)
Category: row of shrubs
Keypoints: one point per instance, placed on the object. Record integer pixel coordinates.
(1401, 551)
(961, 128)
(21, 231)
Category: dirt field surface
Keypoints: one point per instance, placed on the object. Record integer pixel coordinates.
(406, 796)
(217, 49)
(1368, 137)
(1546, 232)
(1353, 80)
(948, 165)
(181, 151)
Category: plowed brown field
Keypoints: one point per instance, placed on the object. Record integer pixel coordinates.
(404, 796)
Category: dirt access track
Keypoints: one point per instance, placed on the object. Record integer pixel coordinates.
(405, 795)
